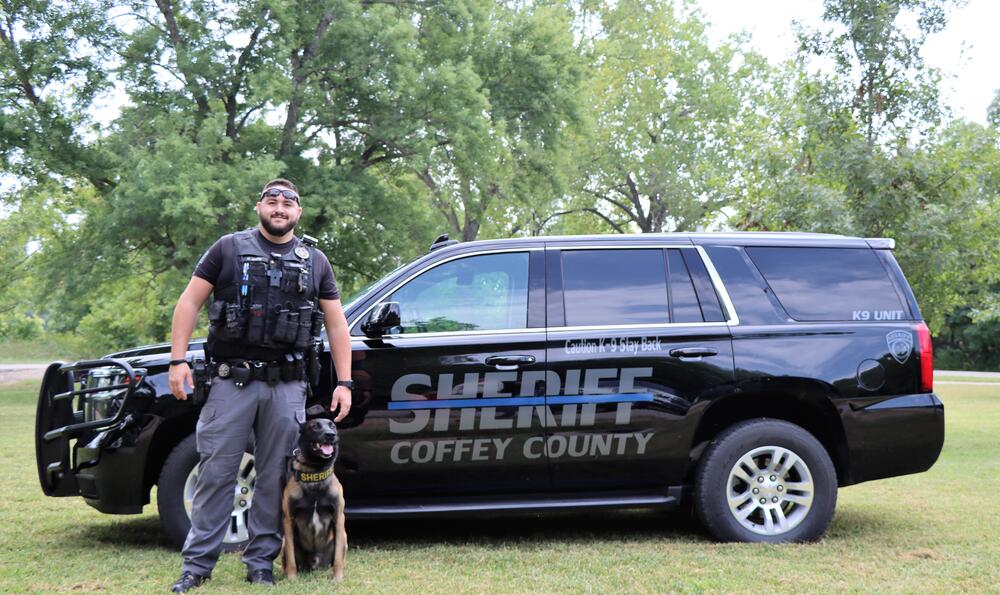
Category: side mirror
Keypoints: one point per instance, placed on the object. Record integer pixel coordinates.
(383, 317)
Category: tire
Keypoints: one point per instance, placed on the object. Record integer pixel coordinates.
(176, 490)
(793, 502)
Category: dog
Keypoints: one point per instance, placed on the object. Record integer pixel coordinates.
(312, 503)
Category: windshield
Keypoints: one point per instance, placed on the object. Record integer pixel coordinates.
(357, 295)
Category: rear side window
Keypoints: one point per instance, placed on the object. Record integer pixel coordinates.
(636, 286)
(603, 287)
(685, 304)
(820, 284)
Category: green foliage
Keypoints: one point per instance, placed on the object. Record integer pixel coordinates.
(665, 105)
(402, 120)
(861, 152)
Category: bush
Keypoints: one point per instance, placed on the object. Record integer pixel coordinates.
(20, 326)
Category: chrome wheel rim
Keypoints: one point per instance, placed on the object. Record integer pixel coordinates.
(770, 490)
(236, 530)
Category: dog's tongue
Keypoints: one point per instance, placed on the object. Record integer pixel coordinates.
(326, 449)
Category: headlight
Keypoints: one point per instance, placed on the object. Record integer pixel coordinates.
(103, 404)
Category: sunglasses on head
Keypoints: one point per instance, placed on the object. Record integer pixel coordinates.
(273, 192)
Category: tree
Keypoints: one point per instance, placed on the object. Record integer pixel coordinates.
(52, 67)
(503, 102)
(362, 102)
(862, 151)
(665, 105)
(993, 111)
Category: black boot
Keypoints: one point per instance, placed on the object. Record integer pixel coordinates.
(261, 577)
(188, 581)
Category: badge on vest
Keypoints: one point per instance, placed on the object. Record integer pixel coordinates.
(302, 252)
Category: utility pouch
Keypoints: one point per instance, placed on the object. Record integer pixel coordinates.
(304, 328)
(281, 327)
(312, 365)
(240, 375)
(235, 325)
(288, 368)
(202, 382)
(215, 312)
(288, 280)
(273, 374)
(255, 325)
(317, 324)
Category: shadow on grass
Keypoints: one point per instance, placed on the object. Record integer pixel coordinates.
(540, 529)
(854, 522)
(523, 529)
(142, 533)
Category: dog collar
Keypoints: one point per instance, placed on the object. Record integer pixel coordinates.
(313, 477)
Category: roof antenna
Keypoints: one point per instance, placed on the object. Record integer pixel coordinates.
(442, 241)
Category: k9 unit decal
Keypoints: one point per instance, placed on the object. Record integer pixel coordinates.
(483, 394)
(880, 315)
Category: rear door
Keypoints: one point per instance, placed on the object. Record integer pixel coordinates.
(636, 337)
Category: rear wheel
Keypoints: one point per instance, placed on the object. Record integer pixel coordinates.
(175, 495)
(767, 481)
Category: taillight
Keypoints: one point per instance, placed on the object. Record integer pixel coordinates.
(926, 358)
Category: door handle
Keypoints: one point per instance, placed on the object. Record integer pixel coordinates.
(693, 352)
(507, 363)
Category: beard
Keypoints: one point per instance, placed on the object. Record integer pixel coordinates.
(277, 227)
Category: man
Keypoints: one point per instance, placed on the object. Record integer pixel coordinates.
(271, 293)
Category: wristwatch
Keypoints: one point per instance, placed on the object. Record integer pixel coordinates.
(348, 383)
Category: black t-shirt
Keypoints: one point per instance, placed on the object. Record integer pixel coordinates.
(218, 262)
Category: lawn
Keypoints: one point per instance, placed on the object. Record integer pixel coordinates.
(44, 350)
(932, 532)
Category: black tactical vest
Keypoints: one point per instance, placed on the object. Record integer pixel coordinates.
(269, 308)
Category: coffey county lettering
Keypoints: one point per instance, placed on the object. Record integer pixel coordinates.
(473, 405)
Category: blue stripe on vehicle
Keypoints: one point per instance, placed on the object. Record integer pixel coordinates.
(522, 401)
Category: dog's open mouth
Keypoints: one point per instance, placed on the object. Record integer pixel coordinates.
(325, 450)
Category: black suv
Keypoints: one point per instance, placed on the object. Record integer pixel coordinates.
(750, 374)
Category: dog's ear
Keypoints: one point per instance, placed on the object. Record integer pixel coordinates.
(317, 411)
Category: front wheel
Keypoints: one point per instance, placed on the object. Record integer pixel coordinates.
(767, 481)
(175, 495)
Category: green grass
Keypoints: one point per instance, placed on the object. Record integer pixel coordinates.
(43, 350)
(932, 532)
(966, 379)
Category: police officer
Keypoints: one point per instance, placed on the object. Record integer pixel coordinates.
(272, 293)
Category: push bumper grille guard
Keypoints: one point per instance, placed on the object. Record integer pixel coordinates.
(73, 430)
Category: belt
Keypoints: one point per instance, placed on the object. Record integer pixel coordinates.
(243, 371)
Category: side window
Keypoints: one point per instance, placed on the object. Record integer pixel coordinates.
(817, 284)
(476, 293)
(602, 287)
(684, 303)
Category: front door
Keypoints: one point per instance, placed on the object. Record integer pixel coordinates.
(448, 398)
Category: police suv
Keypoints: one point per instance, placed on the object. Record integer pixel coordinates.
(749, 374)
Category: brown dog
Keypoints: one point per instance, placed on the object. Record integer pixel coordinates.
(313, 504)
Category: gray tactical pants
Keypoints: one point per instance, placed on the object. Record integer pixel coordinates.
(230, 413)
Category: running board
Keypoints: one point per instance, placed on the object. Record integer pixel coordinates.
(663, 497)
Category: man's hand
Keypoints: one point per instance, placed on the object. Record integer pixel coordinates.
(341, 397)
(180, 374)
